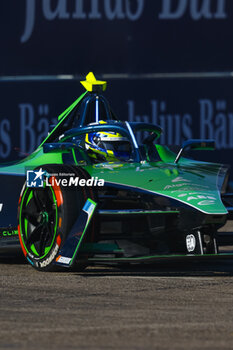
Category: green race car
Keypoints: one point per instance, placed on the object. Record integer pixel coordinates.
(100, 190)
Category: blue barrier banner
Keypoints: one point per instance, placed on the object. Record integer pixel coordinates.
(115, 36)
(184, 108)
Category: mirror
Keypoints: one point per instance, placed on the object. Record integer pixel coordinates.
(197, 145)
(64, 147)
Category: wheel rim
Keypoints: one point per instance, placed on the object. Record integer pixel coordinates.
(38, 221)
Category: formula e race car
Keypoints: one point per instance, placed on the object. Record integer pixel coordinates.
(100, 190)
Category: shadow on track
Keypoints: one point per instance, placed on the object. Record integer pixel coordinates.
(13, 256)
(180, 268)
(164, 269)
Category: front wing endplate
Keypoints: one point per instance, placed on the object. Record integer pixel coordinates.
(68, 253)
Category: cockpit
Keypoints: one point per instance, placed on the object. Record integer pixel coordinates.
(91, 127)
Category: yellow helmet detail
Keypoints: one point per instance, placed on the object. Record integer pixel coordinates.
(108, 146)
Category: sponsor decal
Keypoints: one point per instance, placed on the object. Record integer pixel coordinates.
(8, 233)
(205, 200)
(174, 186)
(50, 258)
(63, 260)
(187, 188)
(110, 165)
(180, 179)
(89, 208)
(190, 243)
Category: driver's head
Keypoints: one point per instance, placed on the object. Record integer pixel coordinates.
(108, 146)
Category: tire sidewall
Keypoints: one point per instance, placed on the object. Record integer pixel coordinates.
(45, 262)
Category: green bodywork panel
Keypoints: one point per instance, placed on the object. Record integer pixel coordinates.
(189, 182)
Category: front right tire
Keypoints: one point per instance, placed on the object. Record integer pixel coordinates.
(46, 216)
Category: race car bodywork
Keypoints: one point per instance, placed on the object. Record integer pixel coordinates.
(73, 210)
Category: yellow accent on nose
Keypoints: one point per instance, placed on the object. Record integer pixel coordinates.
(93, 85)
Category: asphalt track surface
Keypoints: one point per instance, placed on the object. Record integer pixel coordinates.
(182, 305)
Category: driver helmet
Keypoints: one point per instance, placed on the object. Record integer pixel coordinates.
(107, 146)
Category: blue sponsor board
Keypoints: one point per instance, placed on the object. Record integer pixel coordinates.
(184, 108)
(115, 36)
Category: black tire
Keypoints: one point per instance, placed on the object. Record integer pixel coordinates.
(46, 216)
